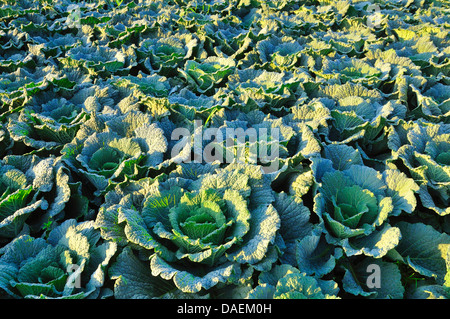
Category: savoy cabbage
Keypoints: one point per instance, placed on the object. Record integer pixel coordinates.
(224, 149)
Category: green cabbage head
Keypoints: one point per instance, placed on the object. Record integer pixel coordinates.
(424, 148)
(69, 264)
(199, 228)
(355, 202)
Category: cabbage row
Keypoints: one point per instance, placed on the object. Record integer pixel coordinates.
(328, 175)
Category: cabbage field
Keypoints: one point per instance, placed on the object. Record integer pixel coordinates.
(225, 149)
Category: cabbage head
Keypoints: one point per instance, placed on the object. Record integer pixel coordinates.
(200, 227)
(69, 264)
(354, 202)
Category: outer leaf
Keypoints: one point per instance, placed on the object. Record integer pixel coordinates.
(264, 224)
(315, 256)
(187, 281)
(390, 280)
(133, 279)
(424, 249)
